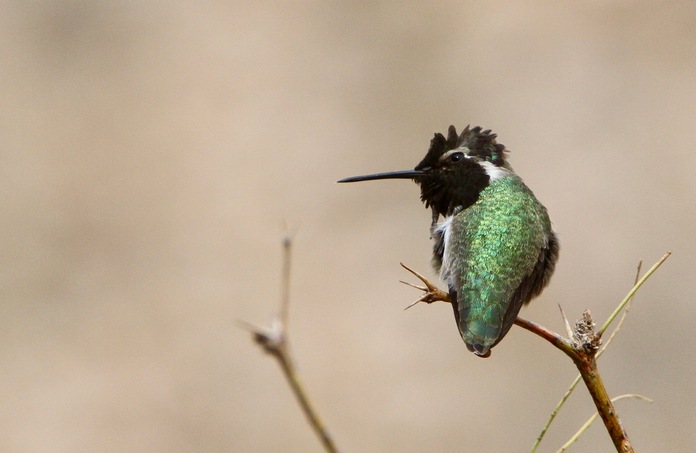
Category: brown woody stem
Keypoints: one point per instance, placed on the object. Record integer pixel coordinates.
(582, 351)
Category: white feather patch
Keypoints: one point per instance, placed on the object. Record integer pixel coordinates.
(445, 228)
(493, 171)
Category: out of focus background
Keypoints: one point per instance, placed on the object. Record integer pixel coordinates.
(154, 154)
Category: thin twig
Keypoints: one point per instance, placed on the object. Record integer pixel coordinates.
(274, 341)
(285, 284)
(566, 323)
(623, 315)
(591, 420)
(555, 412)
(312, 415)
(633, 290)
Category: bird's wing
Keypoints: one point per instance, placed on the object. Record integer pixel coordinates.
(500, 253)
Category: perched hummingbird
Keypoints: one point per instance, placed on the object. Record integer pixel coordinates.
(494, 247)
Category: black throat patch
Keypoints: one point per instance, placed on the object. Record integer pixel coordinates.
(449, 184)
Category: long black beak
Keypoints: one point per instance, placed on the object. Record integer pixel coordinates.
(402, 174)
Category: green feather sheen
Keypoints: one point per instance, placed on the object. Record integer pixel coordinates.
(493, 245)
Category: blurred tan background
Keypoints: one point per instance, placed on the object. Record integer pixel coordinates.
(154, 154)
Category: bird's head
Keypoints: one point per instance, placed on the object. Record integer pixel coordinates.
(455, 169)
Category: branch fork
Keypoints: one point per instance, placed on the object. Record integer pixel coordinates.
(582, 346)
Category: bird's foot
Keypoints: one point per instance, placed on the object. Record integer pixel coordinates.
(432, 292)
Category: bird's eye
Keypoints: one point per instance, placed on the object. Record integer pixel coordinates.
(456, 157)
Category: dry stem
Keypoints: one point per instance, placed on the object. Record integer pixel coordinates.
(274, 341)
(582, 348)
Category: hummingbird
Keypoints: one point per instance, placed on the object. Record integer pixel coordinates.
(493, 242)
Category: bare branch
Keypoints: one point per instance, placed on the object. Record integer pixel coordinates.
(552, 337)
(633, 290)
(625, 303)
(623, 315)
(274, 341)
(285, 284)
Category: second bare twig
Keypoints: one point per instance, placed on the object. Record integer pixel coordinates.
(274, 341)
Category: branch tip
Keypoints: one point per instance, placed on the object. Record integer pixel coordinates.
(569, 331)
